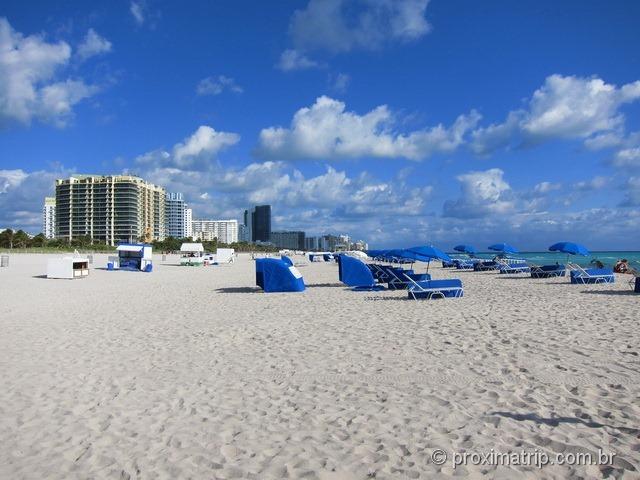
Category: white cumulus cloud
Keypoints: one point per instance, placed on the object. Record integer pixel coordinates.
(326, 130)
(481, 193)
(565, 107)
(344, 25)
(93, 44)
(295, 60)
(29, 87)
(217, 85)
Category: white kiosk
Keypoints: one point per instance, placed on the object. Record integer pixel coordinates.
(68, 267)
(132, 256)
(192, 254)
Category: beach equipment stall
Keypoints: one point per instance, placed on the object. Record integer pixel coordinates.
(4, 260)
(274, 275)
(192, 254)
(132, 256)
(68, 267)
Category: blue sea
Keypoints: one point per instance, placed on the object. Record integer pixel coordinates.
(609, 258)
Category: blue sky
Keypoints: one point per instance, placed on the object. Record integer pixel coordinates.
(397, 121)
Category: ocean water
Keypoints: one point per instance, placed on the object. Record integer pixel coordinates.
(609, 258)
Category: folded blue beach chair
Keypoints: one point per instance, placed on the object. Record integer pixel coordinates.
(592, 275)
(637, 287)
(436, 289)
(547, 271)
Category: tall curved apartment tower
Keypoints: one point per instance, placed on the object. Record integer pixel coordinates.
(109, 209)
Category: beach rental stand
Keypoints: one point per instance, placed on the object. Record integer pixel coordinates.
(192, 254)
(134, 256)
(4, 260)
(68, 267)
(274, 275)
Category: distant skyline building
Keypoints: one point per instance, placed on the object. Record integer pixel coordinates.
(226, 231)
(175, 216)
(188, 222)
(289, 240)
(49, 218)
(109, 209)
(261, 223)
(248, 226)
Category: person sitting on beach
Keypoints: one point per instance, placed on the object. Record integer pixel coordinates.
(621, 266)
(597, 263)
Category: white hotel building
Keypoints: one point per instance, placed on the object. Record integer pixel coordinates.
(226, 231)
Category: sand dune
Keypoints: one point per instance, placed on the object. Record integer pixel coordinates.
(194, 373)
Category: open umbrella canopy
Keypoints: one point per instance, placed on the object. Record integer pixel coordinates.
(570, 248)
(429, 252)
(503, 247)
(465, 249)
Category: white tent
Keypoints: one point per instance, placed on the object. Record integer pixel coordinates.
(192, 247)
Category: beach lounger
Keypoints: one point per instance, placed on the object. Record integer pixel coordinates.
(430, 289)
(547, 271)
(464, 264)
(592, 275)
(403, 278)
(637, 285)
(512, 267)
(485, 266)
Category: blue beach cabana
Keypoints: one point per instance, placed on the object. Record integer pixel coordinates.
(355, 273)
(274, 275)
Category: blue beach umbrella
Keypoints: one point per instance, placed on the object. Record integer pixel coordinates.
(427, 253)
(468, 249)
(569, 248)
(503, 248)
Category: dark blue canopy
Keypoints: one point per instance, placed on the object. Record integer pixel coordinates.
(570, 248)
(354, 272)
(274, 275)
(465, 249)
(286, 260)
(503, 247)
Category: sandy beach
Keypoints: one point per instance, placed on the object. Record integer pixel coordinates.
(196, 373)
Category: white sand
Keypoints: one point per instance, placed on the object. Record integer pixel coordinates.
(192, 373)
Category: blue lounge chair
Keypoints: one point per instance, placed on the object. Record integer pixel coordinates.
(592, 275)
(356, 274)
(637, 287)
(436, 289)
(464, 264)
(485, 266)
(514, 267)
(547, 271)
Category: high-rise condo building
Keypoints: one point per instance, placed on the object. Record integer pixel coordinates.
(109, 209)
(49, 218)
(226, 231)
(176, 216)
